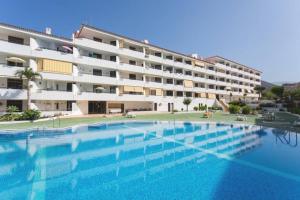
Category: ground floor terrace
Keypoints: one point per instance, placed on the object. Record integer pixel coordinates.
(84, 107)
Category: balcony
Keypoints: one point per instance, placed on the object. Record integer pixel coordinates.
(89, 78)
(15, 49)
(6, 70)
(54, 54)
(84, 42)
(52, 95)
(132, 53)
(97, 96)
(85, 60)
(125, 81)
(16, 94)
(131, 68)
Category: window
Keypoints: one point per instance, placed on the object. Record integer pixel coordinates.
(15, 40)
(69, 87)
(95, 55)
(10, 63)
(57, 106)
(14, 84)
(132, 62)
(189, 73)
(114, 43)
(113, 58)
(179, 93)
(69, 105)
(178, 59)
(178, 71)
(157, 67)
(153, 92)
(169, 81)
(169, 93)
(169, 69)
(188, 94)
(132, 76)
(179, 82)
(17, 103)
(169, 57)
(158, 54)
(188, 62)
(97, 39)
(112, 89)
(132, 48)
(97, 72)
(157, 80)
(112, 74)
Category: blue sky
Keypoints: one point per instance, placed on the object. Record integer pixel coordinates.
(264, 34)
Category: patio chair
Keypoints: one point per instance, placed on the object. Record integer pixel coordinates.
(207, 115)
(130, 115)
(241, 118)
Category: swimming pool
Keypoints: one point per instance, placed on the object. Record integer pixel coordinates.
(150, 160)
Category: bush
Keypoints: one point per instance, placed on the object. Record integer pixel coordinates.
(234, 109)
(216, 108)
(174, 110)
(31, 115)
(195, 108)
(237, 103)
(202, 107)
(10, 117)
(246, 110)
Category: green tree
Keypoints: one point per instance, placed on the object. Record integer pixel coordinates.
(259, 89)
(278, 91)
(187, 102)
(29, 75)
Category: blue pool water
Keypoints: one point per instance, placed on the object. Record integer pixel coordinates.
(150, 160)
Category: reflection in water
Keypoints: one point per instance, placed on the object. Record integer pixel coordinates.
(286, 137)
(116, 160)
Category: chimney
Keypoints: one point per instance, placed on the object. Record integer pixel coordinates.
(48, 31)
(195, 55)
(146, 41)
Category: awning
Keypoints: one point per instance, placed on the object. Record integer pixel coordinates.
(16, 59)
(133, 89)
(188, 83)
(68, 48)
(99, 88)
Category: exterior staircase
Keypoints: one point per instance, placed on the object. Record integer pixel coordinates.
(222, 103)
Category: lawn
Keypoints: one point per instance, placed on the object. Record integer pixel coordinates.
(66, 122)
(283, 120)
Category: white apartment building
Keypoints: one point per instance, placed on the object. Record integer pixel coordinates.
(101, 72)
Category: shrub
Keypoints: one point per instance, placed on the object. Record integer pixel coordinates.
(202, 107)
(174, 110)
(246, 110)
(237, 103)
(234, 109)
(195, 108)
(31, 115)
(10, 117)
(216, 108)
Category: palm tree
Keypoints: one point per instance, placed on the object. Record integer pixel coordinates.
(259, 89)
(245, 94)
(187, 102)
(28, 74)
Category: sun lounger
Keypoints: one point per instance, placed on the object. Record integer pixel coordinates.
(241, 118)
(130, 115)
(207, 115)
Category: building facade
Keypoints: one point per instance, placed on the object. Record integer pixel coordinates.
(101, 72)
